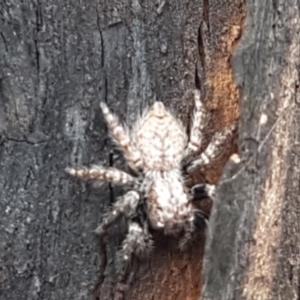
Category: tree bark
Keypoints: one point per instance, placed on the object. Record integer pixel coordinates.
(252, 251)
(58, 60)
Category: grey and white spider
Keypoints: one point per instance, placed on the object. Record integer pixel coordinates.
(156, 149)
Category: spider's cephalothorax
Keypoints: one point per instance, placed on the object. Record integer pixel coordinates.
(154, 149)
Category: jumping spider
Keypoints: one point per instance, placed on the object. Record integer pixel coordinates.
(156, 151)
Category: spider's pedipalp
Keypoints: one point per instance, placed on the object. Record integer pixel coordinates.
(216, 148)
(125, 205)
(102, 174)
(199, 122)
(122, 138)
(138, 241)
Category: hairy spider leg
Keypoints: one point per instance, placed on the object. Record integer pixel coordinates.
(125, 205)
(138, 241)
(204, 190)
(199, 123)
(200, 220)
(122, 138)
(102, 174)
(215, 149)
(188, 233)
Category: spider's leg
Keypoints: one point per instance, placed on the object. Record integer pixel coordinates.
(198, 125)
(102, 174)
(188, 233)
(199, 221)
(217, 147)
(138, 241)
(125, 205)
(122, 138)
(201, 191)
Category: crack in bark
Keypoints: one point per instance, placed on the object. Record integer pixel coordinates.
(36, 43)
(206, 8)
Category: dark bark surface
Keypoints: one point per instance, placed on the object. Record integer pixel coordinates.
(253, 248)
(58, 60)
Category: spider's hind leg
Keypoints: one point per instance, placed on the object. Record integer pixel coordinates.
(199, 222)
(125, 205)
(203, 191)
(187, 236)
(138, 242)
(199, 192)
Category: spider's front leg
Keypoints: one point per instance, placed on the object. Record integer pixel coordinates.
(138, 241)
(122, 138)
(217, 147)
(199, 124)
(125, 205)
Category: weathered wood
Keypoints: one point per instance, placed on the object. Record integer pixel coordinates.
(58, 60)
(253, 248)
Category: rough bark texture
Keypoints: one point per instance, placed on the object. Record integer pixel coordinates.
(253, 248)
(58, 60)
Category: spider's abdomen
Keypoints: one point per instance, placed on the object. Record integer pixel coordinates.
(160, 139)
(169, 204)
